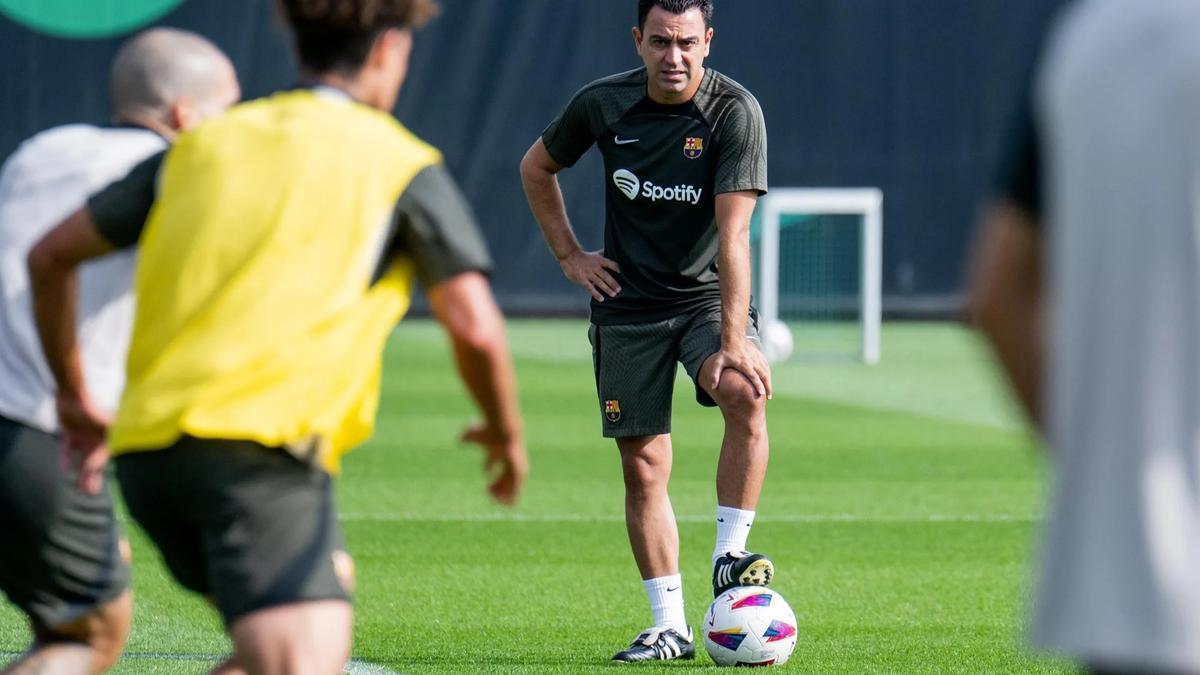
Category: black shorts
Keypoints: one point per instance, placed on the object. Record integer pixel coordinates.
(635, 367)
(59, 547)
(248, 525)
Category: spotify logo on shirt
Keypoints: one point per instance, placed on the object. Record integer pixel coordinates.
(632, 186)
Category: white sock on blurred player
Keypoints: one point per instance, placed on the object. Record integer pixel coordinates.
(733, 528)
(666, 601)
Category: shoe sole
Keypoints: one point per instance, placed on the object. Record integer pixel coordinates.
(759, 573)
(685, 657)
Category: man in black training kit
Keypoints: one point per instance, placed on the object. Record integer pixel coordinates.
(685, 151)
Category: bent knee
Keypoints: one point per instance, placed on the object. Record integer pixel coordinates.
(738, 400)
(646, 467)
(645, 473)
(103, 631)
(299, 638)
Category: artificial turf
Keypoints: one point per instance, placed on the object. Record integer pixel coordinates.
(901, 509)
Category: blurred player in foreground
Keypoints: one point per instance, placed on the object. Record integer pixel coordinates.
(686, 151)
(1087, 285)
(278, 247)
(60, 549)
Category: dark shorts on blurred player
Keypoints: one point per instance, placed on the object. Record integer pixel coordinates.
(635, 367)
(59, 547)
(250, 526)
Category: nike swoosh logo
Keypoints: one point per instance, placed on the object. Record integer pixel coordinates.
(672, 590)
(720, 520)
(625, 141)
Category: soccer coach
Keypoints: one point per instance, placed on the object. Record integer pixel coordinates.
(685, 150)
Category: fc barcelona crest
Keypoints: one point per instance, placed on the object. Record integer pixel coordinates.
(693, 147)
(612, 411)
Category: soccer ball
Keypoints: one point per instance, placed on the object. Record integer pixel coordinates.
(777, 341)
(749, 626)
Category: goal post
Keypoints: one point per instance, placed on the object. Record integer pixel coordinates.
(867, 205)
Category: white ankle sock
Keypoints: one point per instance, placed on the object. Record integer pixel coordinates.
(666, 601)
(733, 528)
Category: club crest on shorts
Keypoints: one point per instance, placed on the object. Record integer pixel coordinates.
(612, 410)
(693, 147)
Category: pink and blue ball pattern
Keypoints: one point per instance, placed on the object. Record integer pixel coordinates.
(729, 639)
(756, 600)
(779, 630)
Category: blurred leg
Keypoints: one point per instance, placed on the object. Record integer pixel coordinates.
(230, 666)
(307, 638)
(90, 644)
(62, 560)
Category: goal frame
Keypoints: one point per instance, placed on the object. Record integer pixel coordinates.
(864, 202)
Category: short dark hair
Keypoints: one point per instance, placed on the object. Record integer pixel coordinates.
(675, 7)
(337, 35)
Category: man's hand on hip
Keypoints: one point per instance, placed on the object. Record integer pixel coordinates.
(593, 272)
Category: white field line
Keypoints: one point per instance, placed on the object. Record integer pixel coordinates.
(149, 656)
(357, 517)
(364, 668)
(615, 518)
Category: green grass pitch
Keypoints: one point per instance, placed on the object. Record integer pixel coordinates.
(901, 509)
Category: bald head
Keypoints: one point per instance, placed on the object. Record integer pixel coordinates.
(172, 78)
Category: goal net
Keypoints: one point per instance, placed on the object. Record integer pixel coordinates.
(819, 257)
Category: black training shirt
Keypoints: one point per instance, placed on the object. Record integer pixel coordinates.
(664, 165)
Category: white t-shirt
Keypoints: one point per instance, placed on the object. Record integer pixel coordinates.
(1117, 109)
(44, 181)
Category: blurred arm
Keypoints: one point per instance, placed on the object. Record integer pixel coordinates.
(53, 264)
(436, 228)
(113, 218)
(1006, 293)
(466, 309)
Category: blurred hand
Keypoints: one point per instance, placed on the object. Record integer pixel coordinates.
(746, 359)
(84, 444)
(592, 271)
(505, 462)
